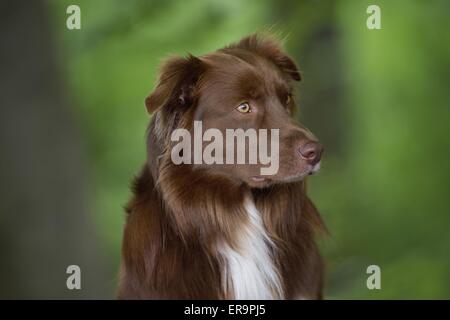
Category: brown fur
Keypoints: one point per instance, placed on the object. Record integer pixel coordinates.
(179, 212)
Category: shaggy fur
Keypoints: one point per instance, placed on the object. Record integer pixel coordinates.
(210, 232)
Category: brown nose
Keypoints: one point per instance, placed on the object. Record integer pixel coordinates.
(311, 152)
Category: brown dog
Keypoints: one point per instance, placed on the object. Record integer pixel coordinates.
(224, 231)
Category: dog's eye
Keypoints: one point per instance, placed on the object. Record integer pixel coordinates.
(244, 108)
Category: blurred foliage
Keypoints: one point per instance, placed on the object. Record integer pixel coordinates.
(378, 98)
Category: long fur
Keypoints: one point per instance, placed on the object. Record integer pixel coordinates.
(191, 234)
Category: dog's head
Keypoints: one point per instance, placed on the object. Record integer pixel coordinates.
(248, 85)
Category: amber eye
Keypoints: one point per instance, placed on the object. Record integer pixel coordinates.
(244, 108)
(288, 98)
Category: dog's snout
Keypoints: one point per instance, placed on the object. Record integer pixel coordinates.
(311, 152)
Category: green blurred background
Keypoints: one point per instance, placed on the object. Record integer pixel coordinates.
(73, 124)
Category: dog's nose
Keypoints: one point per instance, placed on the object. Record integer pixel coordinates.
(311, 152)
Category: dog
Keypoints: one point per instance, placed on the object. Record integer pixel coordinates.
(224, 231)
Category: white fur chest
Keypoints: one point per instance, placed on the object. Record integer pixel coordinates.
(249, 271)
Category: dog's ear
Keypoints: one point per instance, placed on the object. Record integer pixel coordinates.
(176, 83)
(271, 49)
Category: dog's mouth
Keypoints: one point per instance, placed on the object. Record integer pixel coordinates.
(315, 168)
(259, 182)
(262, 181)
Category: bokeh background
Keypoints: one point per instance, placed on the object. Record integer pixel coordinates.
(72, 125)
